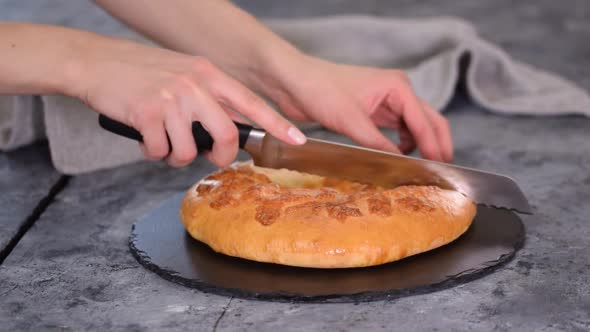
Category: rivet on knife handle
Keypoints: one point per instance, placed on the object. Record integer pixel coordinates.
(203, 140)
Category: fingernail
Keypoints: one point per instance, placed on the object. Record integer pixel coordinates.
(296, 135)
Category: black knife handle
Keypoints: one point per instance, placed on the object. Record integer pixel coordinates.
(203, 140)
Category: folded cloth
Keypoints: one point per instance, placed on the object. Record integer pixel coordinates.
(437, 53)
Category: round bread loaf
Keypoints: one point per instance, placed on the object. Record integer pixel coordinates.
(292, 218)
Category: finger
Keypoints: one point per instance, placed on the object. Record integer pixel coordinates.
(384, 117)
(235, 116)
(407, 143)
(143, 149)
(294, 112)
(297, 116)
(358, 126)
(216, 121)
(178, 125)
(155, 143)
(418, 124)
(236, 96)
(209, 156)
(442, 131)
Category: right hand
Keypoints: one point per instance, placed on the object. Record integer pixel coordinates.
(160, 92)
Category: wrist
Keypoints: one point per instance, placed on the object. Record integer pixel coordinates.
(73, 64)
(70, 80)
(81, 61)
(272, 68)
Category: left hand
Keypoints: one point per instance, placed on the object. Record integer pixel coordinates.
(356, 100)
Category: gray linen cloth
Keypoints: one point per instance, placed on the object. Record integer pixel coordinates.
(431, 50)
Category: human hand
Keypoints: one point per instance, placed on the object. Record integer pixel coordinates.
(349, 99)
(161, 92)
(356, 100)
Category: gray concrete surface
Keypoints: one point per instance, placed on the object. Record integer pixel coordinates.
(26, 177)
(72, 270)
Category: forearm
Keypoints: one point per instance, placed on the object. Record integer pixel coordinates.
(216, 29)
(37, 59)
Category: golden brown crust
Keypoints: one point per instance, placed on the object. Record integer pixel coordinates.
(291, 218)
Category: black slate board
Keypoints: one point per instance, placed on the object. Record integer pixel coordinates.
(160, 243)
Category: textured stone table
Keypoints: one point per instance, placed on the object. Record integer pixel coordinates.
(28, 182)
(72, 269)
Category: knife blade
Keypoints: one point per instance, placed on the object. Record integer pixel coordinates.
(359, 164)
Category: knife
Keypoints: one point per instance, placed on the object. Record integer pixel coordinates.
(359, 164)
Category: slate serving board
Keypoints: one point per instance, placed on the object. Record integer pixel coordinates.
(160, 243)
